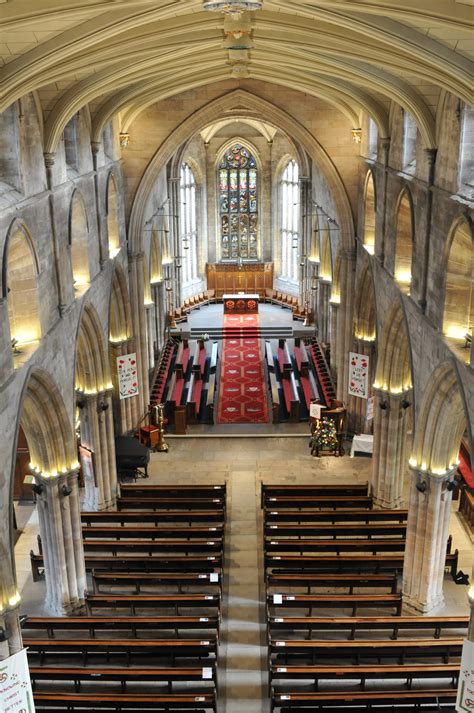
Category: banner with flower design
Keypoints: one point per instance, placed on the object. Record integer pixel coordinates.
(127, 371)
(358, 375)
(16, 695)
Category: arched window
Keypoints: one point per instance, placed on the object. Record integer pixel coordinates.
(238, 204)
(71, 148)
(466, 153)
(409, 142)
(459, 292)
(79, 242)
(113, 218)
(188, 223)
(373, 138)
(21, 281)
(369, 214)
(404, 243)
(290, 219)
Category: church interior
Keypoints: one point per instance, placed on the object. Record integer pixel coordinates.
(236, 361)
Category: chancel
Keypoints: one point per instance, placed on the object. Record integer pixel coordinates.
(236, 361)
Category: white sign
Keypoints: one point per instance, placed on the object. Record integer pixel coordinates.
(465, 699)
(315, 411)
(369, 411)
(16, 695)
(358, 375)
(127, 371)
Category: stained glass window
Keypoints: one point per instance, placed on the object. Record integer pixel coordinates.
(290, 217)
(188, 224)
(238, 204)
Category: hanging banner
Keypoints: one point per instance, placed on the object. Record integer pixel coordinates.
(358, 375)
(87, 463)
(465, 699)
(127, 375)
(369, 411)
(16, 695)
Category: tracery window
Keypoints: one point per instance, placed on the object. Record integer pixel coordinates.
(188, 223)
(290, 218)
(238, 204)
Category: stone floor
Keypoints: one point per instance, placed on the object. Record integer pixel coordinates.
(243, 463)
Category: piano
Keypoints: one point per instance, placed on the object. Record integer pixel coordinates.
(132, 457)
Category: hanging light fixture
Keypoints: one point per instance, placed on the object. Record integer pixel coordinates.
(232, 7)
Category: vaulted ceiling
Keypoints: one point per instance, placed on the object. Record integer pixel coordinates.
(120, 56)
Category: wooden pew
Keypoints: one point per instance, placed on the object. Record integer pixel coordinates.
(154, 532)
(352, 581)
(314, 490)
(273, 514)
(132, 624)
(206, 676)
(361, 650)
(154, 547)
(132, 602)
(186, 492)
(392, 625)
(279, 502)
(338, 545)
(146, 563)
(340, 702)
(329, 601)
(364, 673)
(171, 580)
(172, 649)
(47, 701)
(338, 530)
(171, 504)
(126, 517)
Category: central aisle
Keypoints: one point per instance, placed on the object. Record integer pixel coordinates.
(243, 391)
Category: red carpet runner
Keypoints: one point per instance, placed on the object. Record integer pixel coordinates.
(243, 392)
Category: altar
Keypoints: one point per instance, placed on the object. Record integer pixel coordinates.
(240, 303)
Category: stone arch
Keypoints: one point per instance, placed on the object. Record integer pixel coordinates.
(112, 212)
(20, 273)
(120, 316)
(370, 203)
(393, 397)
(404, 240)
(257, 106)
(365, 314)
(458, 314)
(79, 242)
(94, 412)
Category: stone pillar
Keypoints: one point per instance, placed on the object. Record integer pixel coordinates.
(59, 260)
(9, 603)
(426, 540)
(61, 537)
(382, 201)
(344, 321)
(333, 337)
(103, 255)
(150, 337)
(137, 300)
(389, 460)
(95, 496)
(110, 445)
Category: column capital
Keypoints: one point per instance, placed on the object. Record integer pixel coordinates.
(432, 475)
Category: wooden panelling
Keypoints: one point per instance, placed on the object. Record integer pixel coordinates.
(251, 278)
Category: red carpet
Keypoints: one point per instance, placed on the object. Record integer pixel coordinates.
(243, 391)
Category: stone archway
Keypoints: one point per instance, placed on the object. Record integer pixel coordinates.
(442, 421)
(52, 447)
(393, 397)
(94, 411)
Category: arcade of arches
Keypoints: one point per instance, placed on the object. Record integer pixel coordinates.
(149, 147)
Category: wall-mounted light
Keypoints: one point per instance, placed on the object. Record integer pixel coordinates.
(383, 405)
(81, 404)
(66, 490)
(451, 486)
(405, 404)
(356, 135)
(124, 137)
(37, 488)
(102, 406)
(421, 487)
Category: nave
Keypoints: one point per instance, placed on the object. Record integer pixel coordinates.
(243, 464)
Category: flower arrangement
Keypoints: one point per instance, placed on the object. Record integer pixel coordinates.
(324, 436)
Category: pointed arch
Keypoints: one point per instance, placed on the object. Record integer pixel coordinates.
(370, 203)
(91, 366)
(404, 239)
(79, 241)
(458, 315)
(120, 317)
(365, 314)
(394, 365)
(112, 212)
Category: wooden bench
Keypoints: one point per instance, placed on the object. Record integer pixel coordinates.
(393, 529)
(206, 602)
(361, 650)
(125, 702)
(329, 601)
(313, 489)
(155, 532)
(52, 625)
(173, 504)
(361, 564)
(154, 547)
(132, 563)
(319, 502)
(172, 580)
(338, 545)
(388, 700)
(364, 673)
(164, 648)
(207, 676)
(350, 581)
(273, 514)
(354, 625)
(125, 517)
(187, 492)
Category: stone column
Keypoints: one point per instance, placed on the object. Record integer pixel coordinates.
(389, 457)
(137, 300)
(61, 537)
(150, 337)
(103, 256)
(382, 201)
(344, 321)
(95, 497)
(9, 603)
(59, 260)
(426, 540)
(110, 445)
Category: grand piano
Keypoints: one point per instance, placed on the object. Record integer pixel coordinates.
(132, 458)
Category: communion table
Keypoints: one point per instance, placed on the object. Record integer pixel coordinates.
(240, 304)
